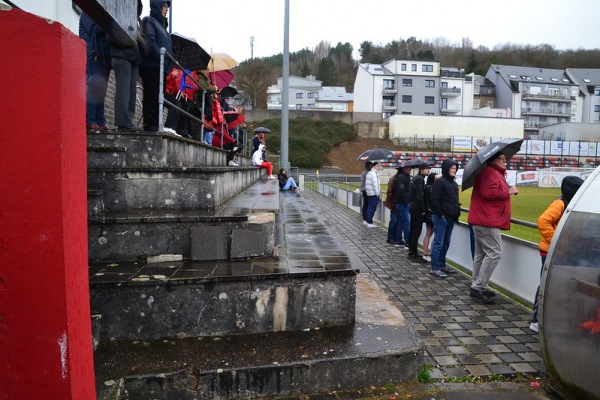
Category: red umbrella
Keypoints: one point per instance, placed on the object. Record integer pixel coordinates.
(221, 79)
(233, 119)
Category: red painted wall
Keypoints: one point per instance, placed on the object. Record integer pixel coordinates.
(45, 328)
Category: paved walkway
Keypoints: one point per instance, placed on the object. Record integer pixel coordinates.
(461, 337)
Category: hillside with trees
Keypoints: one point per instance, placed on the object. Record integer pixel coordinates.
(335, 65)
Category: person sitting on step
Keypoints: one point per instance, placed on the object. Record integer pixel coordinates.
(257, 160)
(286, 182)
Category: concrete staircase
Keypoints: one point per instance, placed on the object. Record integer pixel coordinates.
(208, 282)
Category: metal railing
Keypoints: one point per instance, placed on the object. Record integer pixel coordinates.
(518, 272)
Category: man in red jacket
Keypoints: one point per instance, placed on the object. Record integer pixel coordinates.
(489, 213)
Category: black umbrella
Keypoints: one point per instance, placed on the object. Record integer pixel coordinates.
(262, 129)
(375, 155)
(508, 147)
(189, 53)
(228, 91)
(415, 162)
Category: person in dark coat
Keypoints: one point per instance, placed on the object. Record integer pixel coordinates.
(154, 27)
(401, 192)
(96, 73)
(125, 62)
(417, 211)
(446, 210)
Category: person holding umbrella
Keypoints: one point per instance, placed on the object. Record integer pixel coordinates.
(489, 213)
(446, 210)
(155, 31)
(418, 208)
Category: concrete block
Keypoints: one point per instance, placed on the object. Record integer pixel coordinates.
(209, 243)
(247, 243)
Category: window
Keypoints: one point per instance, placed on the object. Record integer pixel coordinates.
(444, 104)
(406, 113)
(413, 67)
(444, 84)
(298, 95)
(310, 95)
(403, 67)
(388, 84)
(427, 68)
(406, 82)
(298, 106)
(597, 92)
(406, 99)
(596, 108)
(429, 114)
(429, 83)
(429, 100)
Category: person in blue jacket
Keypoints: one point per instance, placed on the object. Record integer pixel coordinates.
(154, 28)
(96, 73)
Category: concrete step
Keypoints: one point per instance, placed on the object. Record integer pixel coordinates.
(146, 150)
(380, 348)
(183, 298)
(117, 189)
(242, 227)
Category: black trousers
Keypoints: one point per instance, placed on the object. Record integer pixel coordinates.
(416, 227)
(150, 80)
(364, 205)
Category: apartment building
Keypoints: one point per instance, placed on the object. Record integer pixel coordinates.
(412, 87)
(309, 94)
(589, 90)
(540, 96)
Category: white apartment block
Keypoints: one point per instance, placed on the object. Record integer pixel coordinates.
(589, 89)
(309, 94)
(540, 96)
(412, 87)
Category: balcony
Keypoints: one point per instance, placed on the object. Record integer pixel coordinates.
(386, 107)
(389, 90)
(448, 110)
(450, 92)
(546, 111)
(561, 96)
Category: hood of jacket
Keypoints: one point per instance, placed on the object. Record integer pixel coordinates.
(569, 186)
(446, 165)
(156, 7)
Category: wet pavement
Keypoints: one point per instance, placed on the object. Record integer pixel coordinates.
(462, 337)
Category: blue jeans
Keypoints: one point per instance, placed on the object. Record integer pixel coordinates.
(403, 229)
(291, 183)
(393, 227)
(442, 233)
(371, 207)
(208, 135)
(97, 74)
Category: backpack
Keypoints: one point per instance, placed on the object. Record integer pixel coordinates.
(390, 196)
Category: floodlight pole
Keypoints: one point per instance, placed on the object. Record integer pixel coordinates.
(283, 159)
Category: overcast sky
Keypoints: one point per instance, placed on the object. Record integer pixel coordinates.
(226, 26)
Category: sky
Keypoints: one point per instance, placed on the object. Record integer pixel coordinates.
(227, 26)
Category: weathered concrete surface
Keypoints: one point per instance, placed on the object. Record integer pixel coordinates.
(163, 300)
(380, 348)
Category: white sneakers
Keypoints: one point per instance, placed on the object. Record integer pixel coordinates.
(234, 163)
(271, 177)
(534, 326)
(427, 258)
(365, 222)
(171, 131)
(371, 226)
